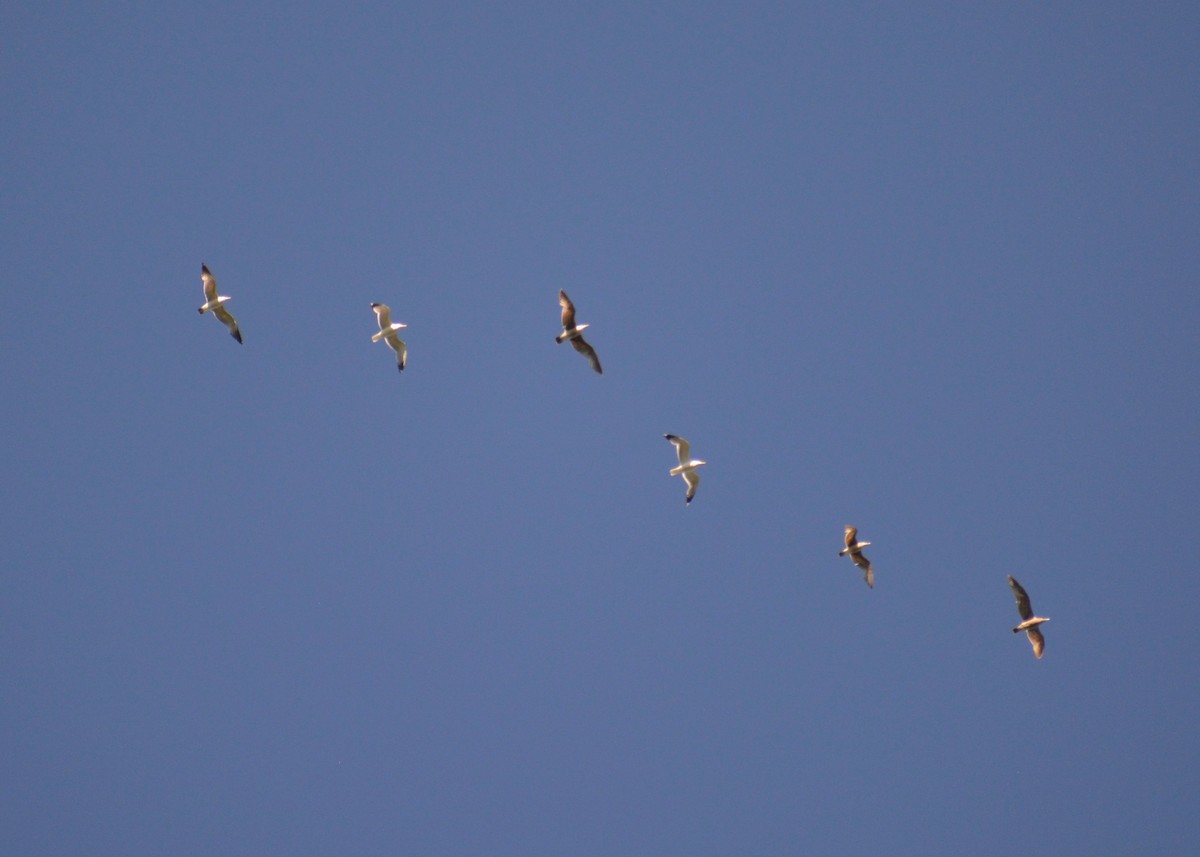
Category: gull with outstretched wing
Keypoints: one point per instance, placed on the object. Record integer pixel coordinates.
(574, 332)
(1029, 622)
(387, 332)
(854, 549)
(216, 303)
(687, 465)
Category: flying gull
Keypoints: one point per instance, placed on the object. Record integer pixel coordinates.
(387, 332)
(1029, 622)
(854, 548)
(574, 332)
(687, 464)
(215, 302)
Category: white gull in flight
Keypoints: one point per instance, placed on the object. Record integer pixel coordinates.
(687, 465)
(387, 332)
(215, 302)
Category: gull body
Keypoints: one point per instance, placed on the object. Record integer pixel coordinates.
(572, 332)
(387, 332)
(687, 465)
(216, 303)
(1029, 622)
(854, 549)
(213, 304)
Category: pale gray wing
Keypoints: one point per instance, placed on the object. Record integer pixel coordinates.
(568, 310)
(226, 318)
(1023, 605)
(587, 351)
(384, 314)
(682, 447)
(400, 347)
(692, 478)
(210, 283)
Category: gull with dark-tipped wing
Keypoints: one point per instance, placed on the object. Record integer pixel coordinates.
(574, 332)
(1029, 622)
(687, 465)
(216, 303)
(387, 332)
(854, 549)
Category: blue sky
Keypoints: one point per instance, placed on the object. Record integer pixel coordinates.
(925, 268)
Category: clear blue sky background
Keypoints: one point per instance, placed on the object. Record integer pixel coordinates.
(926, 268)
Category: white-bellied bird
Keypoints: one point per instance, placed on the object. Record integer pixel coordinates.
(387, 332)
(216, 303)
(573, 332)
(687, 465)
(854, 549)
(1029, 622)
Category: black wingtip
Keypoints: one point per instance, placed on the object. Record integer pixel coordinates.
(204, 269)
(238, 337)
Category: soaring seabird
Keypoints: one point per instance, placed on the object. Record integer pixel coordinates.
(854, 548)
(574, 332)
(1029, 622)
(214, 302)
(387, 332)
(687, 464)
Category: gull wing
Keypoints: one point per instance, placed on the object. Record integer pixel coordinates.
(1023, 605)
(398, 345)
(692, 478)
(682, 447)
(568, 310)
(587, 351)
(1036, 640)
(384, 313)
(851, 536)
(226, 318)
(210, 283)
(865, 564)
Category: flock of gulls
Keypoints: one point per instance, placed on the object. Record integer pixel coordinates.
(572, 332)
